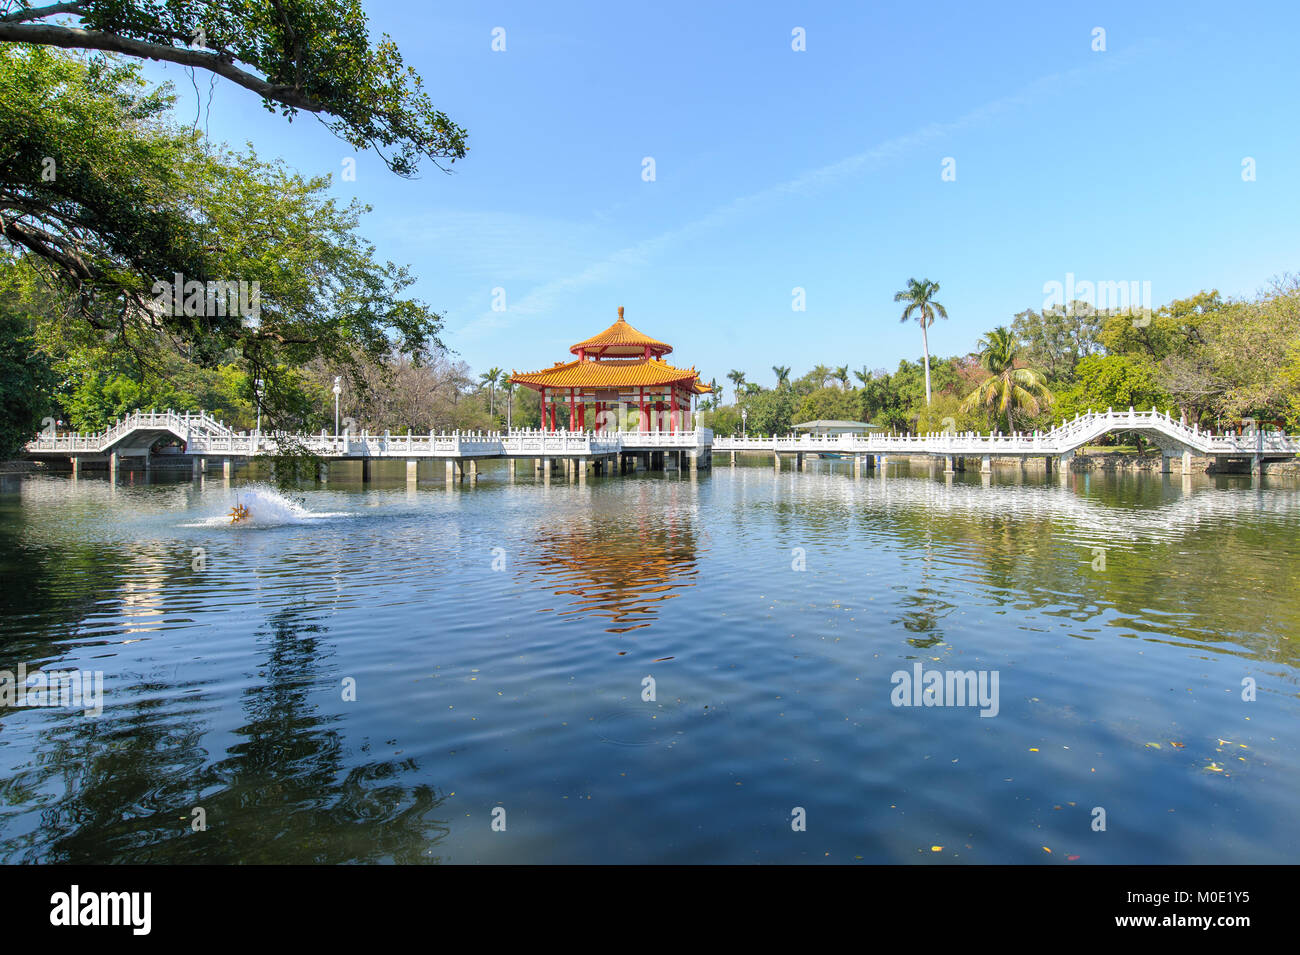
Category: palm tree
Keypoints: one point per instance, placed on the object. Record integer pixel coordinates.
(508, 387)
(864, 375)
(1007, 389)
(842, 376)
(782, 375)
(489, 379)
(919, 297)
(737, 379)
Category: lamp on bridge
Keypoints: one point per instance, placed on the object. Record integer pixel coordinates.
(744, 419)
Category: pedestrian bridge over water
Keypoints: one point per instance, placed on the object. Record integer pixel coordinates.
(1056, 447)
(205, 440)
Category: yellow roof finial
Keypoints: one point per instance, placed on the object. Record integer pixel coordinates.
(620, 313)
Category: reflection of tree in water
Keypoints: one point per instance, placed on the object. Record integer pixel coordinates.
(619, 565)
(285, 793)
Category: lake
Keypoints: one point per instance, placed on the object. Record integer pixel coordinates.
(654, 669)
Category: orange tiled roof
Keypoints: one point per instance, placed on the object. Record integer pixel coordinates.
(641, 373)
(621, 339)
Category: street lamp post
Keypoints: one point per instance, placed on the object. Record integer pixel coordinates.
(257, 393)
(744, 422)
(338, 390)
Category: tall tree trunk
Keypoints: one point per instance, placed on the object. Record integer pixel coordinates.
(925, 348)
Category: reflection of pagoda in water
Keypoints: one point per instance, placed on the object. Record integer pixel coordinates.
(614, 369)
(621, 565)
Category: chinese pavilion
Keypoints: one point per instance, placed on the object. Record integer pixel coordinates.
(619, 367)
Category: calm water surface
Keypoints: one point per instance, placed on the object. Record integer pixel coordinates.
(498, 638)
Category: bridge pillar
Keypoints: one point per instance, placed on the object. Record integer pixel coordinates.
(1256, 465)
(365, 470)
(798, 460)
(147, 458)
(112, 464)
(986, 464)
(1165, 458)
(733, 459)
(323, 472)
(581, 468)
(694, 457)
(451, 471)
(412, 470)
(546, 469)
(227, 468)
(473, 470)
(948, 464)
(1063, 462)
(76, 465)
(1187, 462)
(776, 460)
(199, 465)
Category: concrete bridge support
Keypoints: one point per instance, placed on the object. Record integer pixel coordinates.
(323, 472)
(1063, 464)
(76, 466)
(1187, 462)
(113, 464)
(365, 471)
(776, 460)
(949, 464)
(450, 472)
(1165, 457)
(412, 471)
(227, 469)
(986, 464)
(733, 459)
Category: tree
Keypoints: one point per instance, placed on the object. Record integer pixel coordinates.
(738, 380)
(1055, 339)
(782, 375)
(126, 201)
(842, 376)
(490, 378)
(308, 55)
(828, 404)
(26, 380)
(771, 412)
(921, 305)
(1111, 381)
(1008, 389)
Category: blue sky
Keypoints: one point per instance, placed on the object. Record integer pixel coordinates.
(820, 169)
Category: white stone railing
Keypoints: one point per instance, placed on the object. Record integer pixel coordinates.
(1067, 437)
(204, 435)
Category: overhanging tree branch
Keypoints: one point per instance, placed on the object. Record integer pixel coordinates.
(75, 38)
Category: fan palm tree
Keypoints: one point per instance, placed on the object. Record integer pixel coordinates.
(921, 305)
(782, 375)
(489, 379)
(1008, 389)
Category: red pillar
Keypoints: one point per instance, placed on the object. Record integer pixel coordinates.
(659, 416)
(573, 412)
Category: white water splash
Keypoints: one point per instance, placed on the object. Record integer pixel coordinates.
(266, 507)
